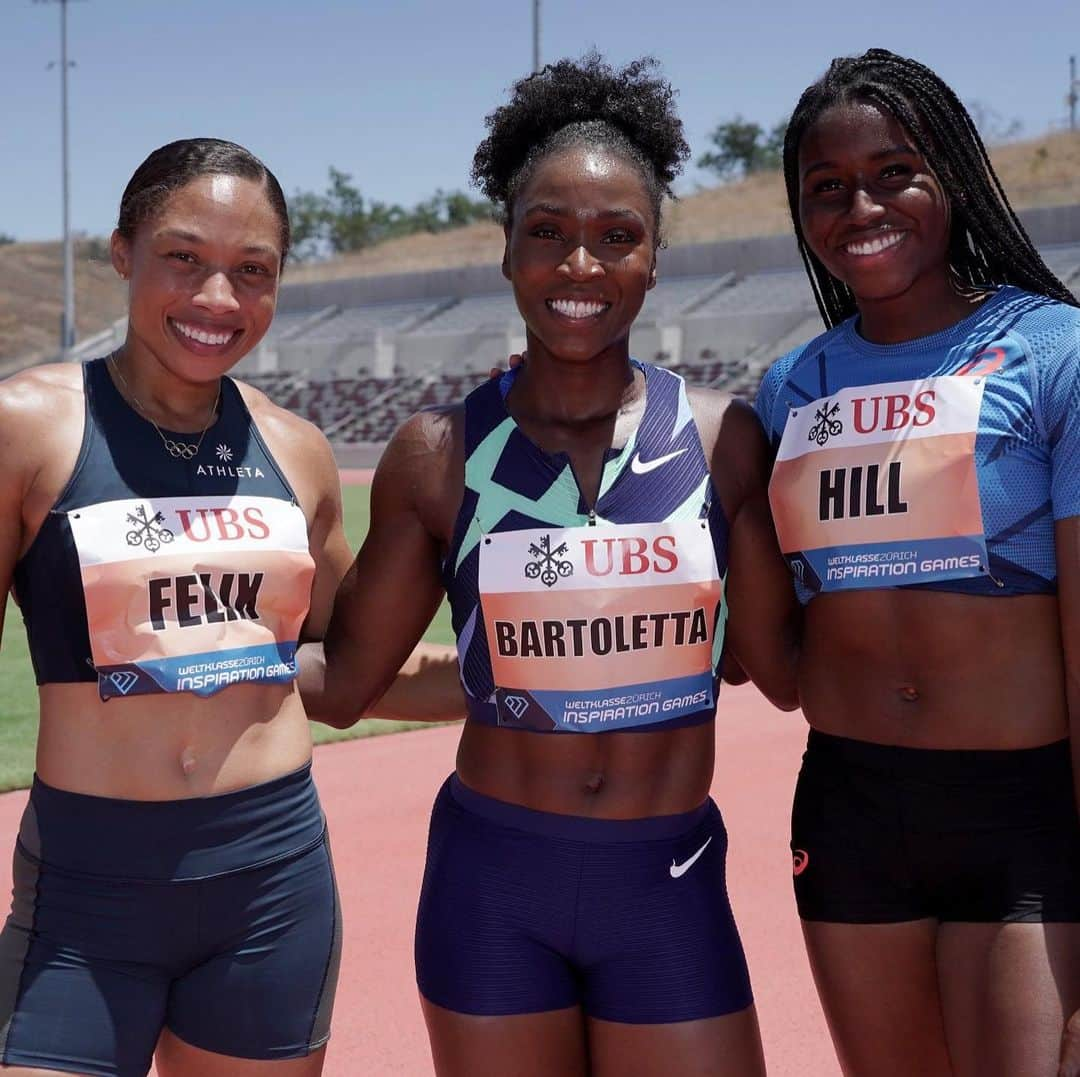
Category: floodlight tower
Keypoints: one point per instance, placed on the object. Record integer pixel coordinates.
(1074, 85)
(67, 325)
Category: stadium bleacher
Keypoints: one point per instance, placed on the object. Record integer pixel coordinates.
(359, 372)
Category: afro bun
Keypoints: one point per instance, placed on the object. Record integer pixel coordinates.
(631, 110)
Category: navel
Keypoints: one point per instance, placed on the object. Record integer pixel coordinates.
(909, 693)
(594, 783)
(188, 760)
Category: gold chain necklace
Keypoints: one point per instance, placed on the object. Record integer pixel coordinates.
(178, 450)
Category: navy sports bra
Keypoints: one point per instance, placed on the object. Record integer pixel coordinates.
(571, 620)
(157, 574)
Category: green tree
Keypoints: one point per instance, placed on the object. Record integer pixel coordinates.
(742, 147)
(6, 239)
(340, 219)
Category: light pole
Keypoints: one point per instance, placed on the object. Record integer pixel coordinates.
(1074, 83)
(67, 325)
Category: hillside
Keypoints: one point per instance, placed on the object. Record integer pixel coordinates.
(1037, 172)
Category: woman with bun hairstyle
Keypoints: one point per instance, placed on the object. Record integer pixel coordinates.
(170, 536)
(927, 497)
(594, 523)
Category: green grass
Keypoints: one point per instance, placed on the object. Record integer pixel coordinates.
(18, 695)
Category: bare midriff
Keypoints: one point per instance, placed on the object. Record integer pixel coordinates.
(935, 669)
(169, 747)
(629, 775)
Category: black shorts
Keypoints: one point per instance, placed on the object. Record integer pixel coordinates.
(882, 834)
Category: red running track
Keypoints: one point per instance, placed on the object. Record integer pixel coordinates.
(377, 794)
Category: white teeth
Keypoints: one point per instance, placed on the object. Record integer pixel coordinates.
(876, 245)
(577, 308)
(202, 336)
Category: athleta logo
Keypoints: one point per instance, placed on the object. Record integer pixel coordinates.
(548, 564)
(643, 467)
(799, 861)
(224, 453)
(827, 425)
(892, 412)
(146, 531)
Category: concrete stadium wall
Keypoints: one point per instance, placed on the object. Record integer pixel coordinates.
(1046, 225)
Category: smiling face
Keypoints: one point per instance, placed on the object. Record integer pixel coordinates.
(204, 273)
(870, 208)
(580, 251)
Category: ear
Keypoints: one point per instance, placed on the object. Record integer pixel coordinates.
(120, 254)
(652, 275)
(506, 250)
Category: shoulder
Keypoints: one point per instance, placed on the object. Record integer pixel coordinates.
(781, 369)
(36, 403)
(299, 447)
(41, 387)
(427, 440)
(278, 423)
(422, 470)
(787, 366)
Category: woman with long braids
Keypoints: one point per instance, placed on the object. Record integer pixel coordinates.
(171, 536)
(926, 494)
(593, 521)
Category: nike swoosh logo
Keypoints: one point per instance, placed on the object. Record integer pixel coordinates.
(678, 870)
(643, 467)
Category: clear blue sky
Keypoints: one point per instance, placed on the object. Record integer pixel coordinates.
(395, 92)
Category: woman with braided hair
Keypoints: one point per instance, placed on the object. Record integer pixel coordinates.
(592, 521)
(927, 497)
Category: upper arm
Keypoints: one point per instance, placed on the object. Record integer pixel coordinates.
(394, 586)
(328, 544)
(763, 614)
(11, 529)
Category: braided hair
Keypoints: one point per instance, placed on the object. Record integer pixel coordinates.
(586, 102)
(988, 244)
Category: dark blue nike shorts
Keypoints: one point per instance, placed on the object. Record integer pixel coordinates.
(215, 917)
(524, 911)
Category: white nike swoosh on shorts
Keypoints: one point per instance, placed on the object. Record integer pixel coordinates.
(643, 467)
(678, 870)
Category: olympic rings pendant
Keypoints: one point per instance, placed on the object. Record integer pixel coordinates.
(180, 450)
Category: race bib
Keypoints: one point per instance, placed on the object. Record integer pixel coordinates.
(876, 486)
(193, 594)
(595, 628)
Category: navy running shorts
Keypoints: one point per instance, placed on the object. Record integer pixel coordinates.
(215, 917)
(524, 911)
(884, 834)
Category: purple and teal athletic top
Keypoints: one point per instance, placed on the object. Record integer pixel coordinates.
(578, 619)
(157, 574)
(941, 462)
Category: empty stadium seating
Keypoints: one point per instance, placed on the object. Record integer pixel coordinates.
(360, 372)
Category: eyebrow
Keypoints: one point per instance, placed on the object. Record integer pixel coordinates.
(552, 210)
(889, 151)
(194, 237)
